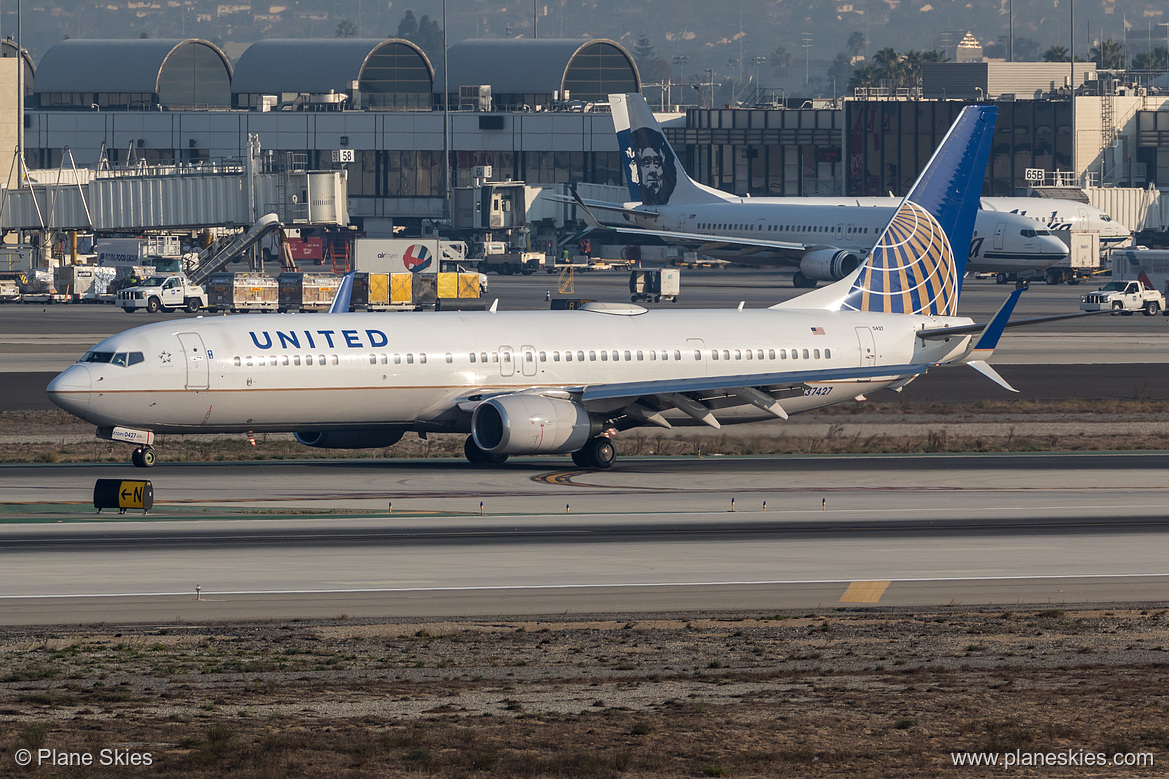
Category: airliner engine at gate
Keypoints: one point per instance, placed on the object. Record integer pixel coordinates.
(559, 382)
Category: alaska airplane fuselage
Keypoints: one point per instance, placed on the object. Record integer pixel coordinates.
(1002, 242)
(302, 372)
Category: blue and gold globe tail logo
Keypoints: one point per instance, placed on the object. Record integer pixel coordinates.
(911, 269)
(417, 258)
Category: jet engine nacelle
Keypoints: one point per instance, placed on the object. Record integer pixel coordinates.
(350, 439)
(531, 424)
(829, 264)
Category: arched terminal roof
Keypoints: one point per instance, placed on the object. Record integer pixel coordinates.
(8, 49)
(391, 73)
(134, 73)
(528, 70)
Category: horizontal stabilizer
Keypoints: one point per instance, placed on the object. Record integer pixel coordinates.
(939, 333)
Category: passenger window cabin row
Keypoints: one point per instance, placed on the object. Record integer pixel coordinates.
(580, 355)
(755, 227)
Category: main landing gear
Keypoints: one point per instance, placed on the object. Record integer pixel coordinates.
(144, 457)
(597, 453)
(477, 456)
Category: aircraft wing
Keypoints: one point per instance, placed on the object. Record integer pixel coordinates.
(778, 379)
(699, 242)
(631, 404)
(710, 243)
(603, 205)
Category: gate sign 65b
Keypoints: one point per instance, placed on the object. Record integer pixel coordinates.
(1033, 175)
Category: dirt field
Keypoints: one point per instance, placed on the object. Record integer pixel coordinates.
(857, 693)
(1025, 426)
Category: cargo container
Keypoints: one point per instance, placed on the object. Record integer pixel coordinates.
(242, 292)
(382, 291)
(81, 282)
(307, 291)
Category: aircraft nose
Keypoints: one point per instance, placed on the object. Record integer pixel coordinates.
(71, 389)
(1053, 245)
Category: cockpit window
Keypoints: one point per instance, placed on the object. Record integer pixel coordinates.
(123, 359)
(1105, 218)
(1027, 233)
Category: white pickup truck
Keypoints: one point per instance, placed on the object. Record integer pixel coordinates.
(1124, 297)
(166, 292)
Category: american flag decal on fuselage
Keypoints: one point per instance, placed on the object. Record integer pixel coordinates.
(911, 270)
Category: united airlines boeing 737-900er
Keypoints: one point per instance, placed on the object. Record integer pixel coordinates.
(824, 238)
(546, 382)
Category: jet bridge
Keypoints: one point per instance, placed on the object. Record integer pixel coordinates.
(163, 197)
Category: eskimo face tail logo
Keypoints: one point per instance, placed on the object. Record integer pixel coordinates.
(417, 258)
(651, 166)
(911, 269)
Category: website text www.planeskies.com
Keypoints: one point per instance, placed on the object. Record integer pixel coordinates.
(1066, 758)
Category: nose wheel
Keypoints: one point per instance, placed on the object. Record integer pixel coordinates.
(144, 457)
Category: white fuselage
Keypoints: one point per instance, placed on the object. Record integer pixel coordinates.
(1002, 242)
(426, 371)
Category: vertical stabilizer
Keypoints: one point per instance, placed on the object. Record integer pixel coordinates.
(652, 171)
(917, 264)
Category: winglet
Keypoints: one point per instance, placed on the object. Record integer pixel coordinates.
(344, 295)
(989, 338)
(984, 368)
(586, 213)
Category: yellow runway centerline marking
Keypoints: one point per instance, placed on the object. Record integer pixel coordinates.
(864, 592)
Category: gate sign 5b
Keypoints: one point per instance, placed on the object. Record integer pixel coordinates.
(417, 258)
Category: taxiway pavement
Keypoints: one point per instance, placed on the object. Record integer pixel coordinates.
(653, 535)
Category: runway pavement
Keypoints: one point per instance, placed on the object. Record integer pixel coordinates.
(656, 535)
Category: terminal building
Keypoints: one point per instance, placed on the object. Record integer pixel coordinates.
(535, 111)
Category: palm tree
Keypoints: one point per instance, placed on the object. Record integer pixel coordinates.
(1151, 60)
(1056, 54)
(856, 43)
(888, 64)
(1108, 55)
(864, 76)
(780, 60)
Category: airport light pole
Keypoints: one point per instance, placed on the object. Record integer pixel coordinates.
(806, 44)
(757, 61)
(1166, 26)
(446, 123)
(680, 60)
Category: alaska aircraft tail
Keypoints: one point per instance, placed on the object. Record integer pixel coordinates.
(917, 263)
(652, 171)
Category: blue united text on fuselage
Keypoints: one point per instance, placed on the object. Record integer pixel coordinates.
(291, 339)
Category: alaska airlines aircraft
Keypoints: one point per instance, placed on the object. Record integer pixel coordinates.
(825, 238)
(535, 382)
